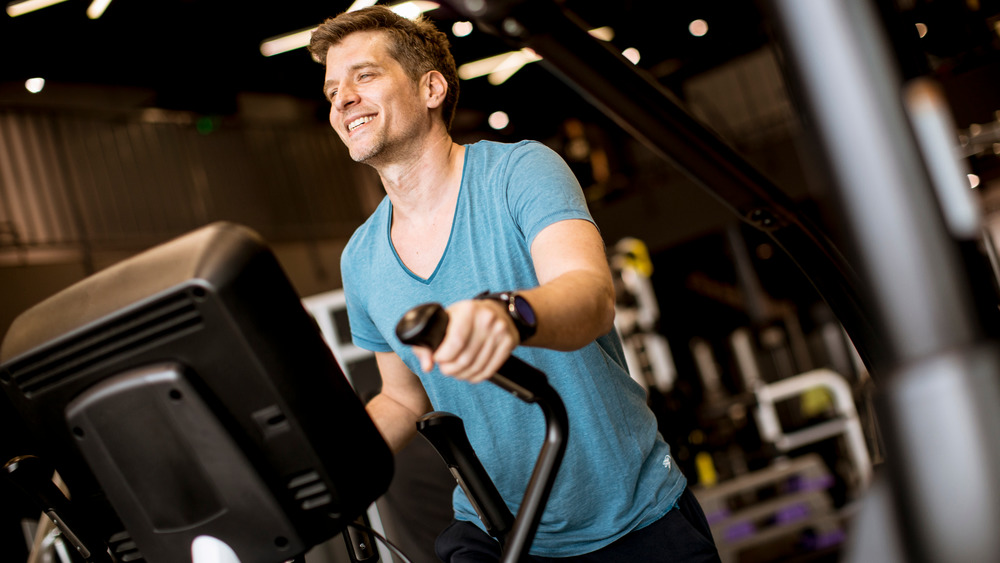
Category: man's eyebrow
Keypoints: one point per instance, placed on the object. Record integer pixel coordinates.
(353, 68)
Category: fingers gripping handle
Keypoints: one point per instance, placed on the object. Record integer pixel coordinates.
(425, 325)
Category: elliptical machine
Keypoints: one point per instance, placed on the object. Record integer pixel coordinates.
(185, 397)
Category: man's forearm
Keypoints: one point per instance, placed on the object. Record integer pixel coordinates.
(395, 422)
(572, 310)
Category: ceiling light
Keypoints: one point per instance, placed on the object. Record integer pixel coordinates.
(15, 9)
(482, 67)
(603, 33)
(503, 66)
(96, 8)
(631, 54)
(921, 29)
(299, 39)
(461, 29)
(511, 65)
(498, 120)
(698, 28)
(286, 42)
(34, 85)
(973, 180)
(408, 10)
(358, 4)
(412, 10)
(499, 67)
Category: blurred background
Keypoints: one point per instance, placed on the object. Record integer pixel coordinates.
(125, 123)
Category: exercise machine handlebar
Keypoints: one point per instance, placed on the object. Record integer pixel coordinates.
(425, 325)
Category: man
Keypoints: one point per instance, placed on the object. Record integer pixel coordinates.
(458, 220)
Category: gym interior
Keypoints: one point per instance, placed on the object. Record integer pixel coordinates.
(799, 202)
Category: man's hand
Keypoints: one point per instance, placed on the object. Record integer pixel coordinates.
(480, 337)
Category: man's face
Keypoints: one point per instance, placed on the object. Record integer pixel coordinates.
(375, 107)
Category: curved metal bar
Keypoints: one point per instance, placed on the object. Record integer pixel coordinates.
(546, 466)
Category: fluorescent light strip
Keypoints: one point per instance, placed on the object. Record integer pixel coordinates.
(411, 10)
(358, 4)
(408, 10)
(286, 42)
(507, 68)
(605, 33)
(15, 9)
(96, 8)
(503, 66)
(299, 39)
(482, 67)
(498, 67)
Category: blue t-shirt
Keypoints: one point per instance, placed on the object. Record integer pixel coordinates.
(617, 474)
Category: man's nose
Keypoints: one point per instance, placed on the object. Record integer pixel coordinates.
(346, 97)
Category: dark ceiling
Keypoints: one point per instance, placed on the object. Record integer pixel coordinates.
(198, 55)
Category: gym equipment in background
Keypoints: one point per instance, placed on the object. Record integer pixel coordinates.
(637, 316)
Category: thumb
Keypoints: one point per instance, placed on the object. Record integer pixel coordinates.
(425, 356)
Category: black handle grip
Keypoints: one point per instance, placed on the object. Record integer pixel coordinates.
(425, 325)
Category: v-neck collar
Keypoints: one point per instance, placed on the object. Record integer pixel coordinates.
(451, 234)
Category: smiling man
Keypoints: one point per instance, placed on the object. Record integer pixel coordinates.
(511, 219)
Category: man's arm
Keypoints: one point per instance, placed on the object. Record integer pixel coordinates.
(575, 299)
(574, 304)
(401, 402)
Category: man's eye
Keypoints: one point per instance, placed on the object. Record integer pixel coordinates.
(331, 95)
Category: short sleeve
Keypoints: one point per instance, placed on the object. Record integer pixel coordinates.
(364, 333)
(542, 190)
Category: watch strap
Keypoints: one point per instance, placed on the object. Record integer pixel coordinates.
(525, 330)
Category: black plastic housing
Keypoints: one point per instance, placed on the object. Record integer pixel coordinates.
(189, 390)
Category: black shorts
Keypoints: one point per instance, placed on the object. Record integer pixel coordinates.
(681, 535)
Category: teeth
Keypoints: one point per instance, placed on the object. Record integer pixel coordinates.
(358, 122)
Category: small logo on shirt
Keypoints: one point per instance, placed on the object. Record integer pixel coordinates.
(666, 461)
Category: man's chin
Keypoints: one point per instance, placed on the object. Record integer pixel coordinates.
(360, 156)
(367, 156)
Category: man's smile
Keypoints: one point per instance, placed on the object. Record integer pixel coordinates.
(359, 122)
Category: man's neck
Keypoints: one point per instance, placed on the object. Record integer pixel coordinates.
(419, 185)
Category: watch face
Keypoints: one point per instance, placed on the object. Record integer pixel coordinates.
(524, 310)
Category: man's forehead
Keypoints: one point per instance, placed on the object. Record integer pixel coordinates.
(359, 43)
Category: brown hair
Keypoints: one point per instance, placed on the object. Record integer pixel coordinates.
(415, 44)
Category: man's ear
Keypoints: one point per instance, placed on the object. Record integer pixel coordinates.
(436, 87)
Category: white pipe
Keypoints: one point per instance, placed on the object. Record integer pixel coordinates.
(843, 400)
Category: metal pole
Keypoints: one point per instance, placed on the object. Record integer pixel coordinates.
(941, 399)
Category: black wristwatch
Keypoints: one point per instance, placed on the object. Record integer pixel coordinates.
(518, 308)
